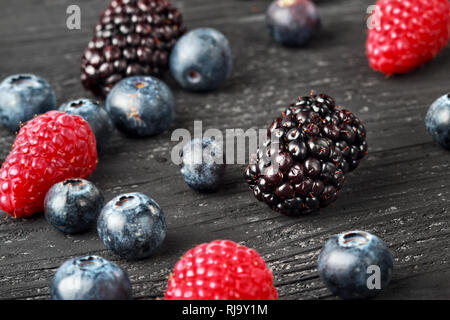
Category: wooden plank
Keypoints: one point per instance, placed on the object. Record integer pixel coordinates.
(400, 192)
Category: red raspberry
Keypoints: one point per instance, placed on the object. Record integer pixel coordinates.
(221, 270)
(409, 33)
(50, 148)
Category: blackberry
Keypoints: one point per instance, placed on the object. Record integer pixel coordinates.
(133, 37)
(308, 151)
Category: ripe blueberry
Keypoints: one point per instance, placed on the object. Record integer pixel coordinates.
(141, 106)
(293, 22)
(73, 205)
(438, 121)
(95, 115)
(132, 225)
(22, 96)
(201, 60)
(90, 278)
(355, 265)
(203, 164)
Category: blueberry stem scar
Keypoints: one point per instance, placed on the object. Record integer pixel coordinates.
(141, 85)
(73, 182)
(360, 237)
(123, 199)
(77, 104)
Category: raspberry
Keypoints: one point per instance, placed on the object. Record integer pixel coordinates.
(410, 33)
(221, 270)
(50, 148)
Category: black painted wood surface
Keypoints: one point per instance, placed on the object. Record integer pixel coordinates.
(400, 192)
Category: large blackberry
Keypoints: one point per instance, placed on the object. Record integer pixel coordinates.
(309, 149)
(133, 37)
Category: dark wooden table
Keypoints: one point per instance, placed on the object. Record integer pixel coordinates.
(400, 192)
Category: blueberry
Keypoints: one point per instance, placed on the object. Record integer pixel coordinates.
(22, 96)
(349, 262)
(201, 60)
(95, 115)
(141, 106)
(203, 164)
(438, 121)
(132, 225)
(90, 278)
(293, 22)
(73, 205)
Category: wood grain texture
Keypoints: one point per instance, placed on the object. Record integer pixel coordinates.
(401, 191)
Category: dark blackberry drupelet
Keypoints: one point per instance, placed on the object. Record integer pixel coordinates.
(309, 149)
(133, 37)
